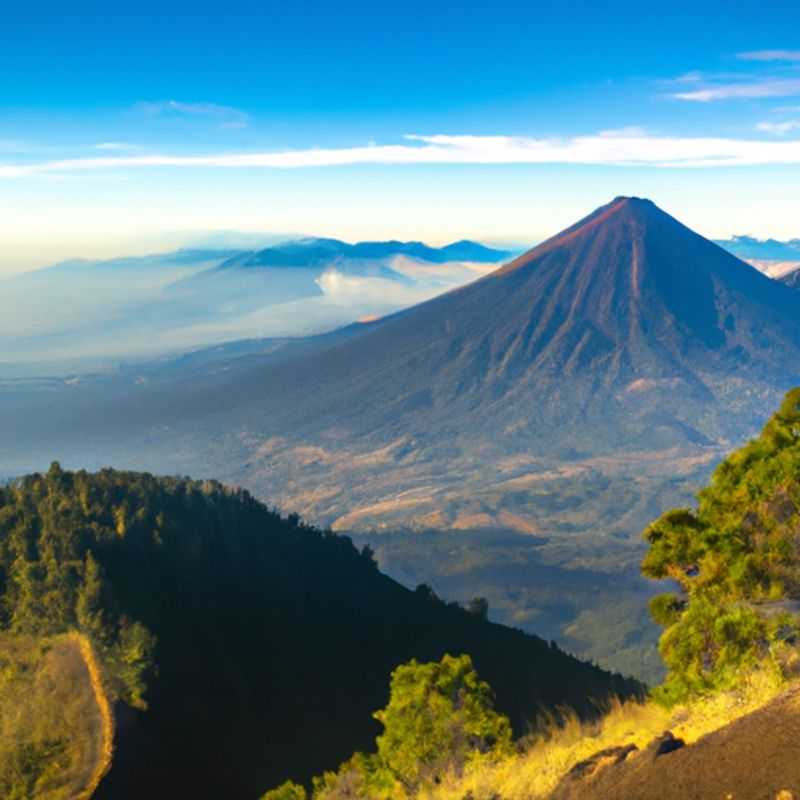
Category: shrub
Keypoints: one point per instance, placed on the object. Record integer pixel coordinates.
(286, 791)
(439, 717)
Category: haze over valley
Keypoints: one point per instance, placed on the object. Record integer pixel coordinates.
(82, 316)
(562, 400)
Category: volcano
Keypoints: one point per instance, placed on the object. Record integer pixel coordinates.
(625, 333)
(625, 330)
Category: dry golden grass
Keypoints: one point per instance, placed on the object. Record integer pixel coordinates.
(56, 726)
(536, 772)
(103, 736)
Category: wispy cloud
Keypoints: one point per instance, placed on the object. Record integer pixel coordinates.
(769, 87)
(688, 77)
(612, 148)
(779, 128)
(770, 55)
(226, 116)
(116, 146)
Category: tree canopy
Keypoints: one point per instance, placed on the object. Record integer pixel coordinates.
(439, 716)
(440, 719)
(734, 558)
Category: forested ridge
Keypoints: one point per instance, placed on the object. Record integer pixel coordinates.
(244, 648)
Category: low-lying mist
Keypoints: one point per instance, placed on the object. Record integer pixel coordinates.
(82, 316)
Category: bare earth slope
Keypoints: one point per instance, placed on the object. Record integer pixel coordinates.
(752, 758)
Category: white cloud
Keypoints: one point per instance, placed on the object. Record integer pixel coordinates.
(688, 77)
(227, 116)
(779, 128)
(370, 293)
(612, 148)
(772, 87)
(116, 146)
(770, 55)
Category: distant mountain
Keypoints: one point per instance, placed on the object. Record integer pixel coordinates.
(183, 257)
(86, 315)
(466, 250)
(622, 331)
(746, 247)
(273, 644)
(325, 252)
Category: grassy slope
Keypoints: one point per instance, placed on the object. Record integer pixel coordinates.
(537, 771)
(56, 727)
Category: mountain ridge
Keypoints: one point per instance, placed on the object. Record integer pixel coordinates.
(313, 252)
(748, 247)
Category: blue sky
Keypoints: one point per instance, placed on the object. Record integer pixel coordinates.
(128, 127)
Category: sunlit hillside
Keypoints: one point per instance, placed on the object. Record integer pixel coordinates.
(56, 726)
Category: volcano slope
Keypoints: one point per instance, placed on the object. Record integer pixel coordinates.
(625, 333)
(588, 382)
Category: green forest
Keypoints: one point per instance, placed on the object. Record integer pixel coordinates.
(242, 648)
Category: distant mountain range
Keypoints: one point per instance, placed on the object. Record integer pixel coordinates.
(85, 315)
(123, 264)
(747, 248)
(325, 252)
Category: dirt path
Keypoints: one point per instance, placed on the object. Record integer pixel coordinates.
(103, 742)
